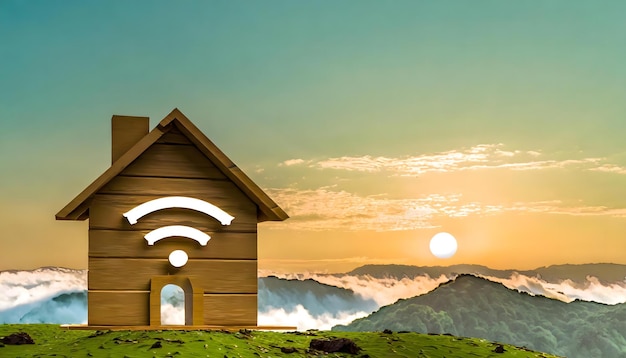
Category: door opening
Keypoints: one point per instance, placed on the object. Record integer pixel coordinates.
(172, 305)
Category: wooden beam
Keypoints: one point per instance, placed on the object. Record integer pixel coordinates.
(131, 185)
(118, 308)
(230, 309)
(214, 276)
(107, 211)
(131, 244)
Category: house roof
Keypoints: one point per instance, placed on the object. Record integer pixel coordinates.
(78, 208)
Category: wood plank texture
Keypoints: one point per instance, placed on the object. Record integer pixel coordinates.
(174, 136)
(118, 308)
(106, 213)
(131, 244)
(175, 161)
(121, 308)
(230, 310)
(213, 189)
(213, 276)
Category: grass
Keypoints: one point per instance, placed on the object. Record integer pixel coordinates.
(54, 341)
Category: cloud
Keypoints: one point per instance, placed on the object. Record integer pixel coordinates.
(411, 165)
(536, 165)
(298, 317)
(610, 168)
(479, 157)
(291, 162)
(567, 290)
(21, 287)
(45, 295)
(172, 305)
(559, 208)
(325, 209)
(303, 320)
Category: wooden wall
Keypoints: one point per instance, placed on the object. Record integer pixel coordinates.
(121, 263)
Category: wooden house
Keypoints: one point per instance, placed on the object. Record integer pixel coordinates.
(128, 268)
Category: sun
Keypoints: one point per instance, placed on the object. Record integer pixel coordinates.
(443, 245)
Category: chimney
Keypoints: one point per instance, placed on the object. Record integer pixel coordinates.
(126, 131)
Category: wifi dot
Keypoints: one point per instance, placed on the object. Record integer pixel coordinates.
(178, 258)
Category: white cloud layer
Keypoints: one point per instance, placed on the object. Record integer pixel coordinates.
(301, 318)
(22, 287)
(52, 295)
(46, 295)
(592, 290)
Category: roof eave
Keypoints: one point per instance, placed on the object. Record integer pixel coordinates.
(270, 210)
(76, 209)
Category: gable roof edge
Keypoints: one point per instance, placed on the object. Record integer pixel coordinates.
(77, 209)
(270, 210)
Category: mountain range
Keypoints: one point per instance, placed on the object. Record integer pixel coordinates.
(606, 273)
(472, 306)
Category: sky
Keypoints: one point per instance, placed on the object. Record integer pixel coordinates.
(374, 125)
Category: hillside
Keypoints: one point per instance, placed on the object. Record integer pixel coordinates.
(475, 307)
(50, 340)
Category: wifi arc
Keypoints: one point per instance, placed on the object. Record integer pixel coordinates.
(177, 258)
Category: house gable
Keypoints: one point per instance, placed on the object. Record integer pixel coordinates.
(175, 128)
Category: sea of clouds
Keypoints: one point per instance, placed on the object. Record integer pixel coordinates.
(58, 295)
(45, 295)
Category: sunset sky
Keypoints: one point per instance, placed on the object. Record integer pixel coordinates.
(373, 124)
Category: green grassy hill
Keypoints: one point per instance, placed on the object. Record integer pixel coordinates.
(476, 307)
(51, 340)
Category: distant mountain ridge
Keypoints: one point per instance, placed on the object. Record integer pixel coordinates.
(48, 269)
(606, 273)
(476, 307)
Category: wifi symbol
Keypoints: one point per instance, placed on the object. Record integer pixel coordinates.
(178, 258)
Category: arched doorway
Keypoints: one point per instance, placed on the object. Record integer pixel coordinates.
(172, 305)
(192, 298)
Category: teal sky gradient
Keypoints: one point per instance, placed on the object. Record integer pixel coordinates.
(270, 81)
